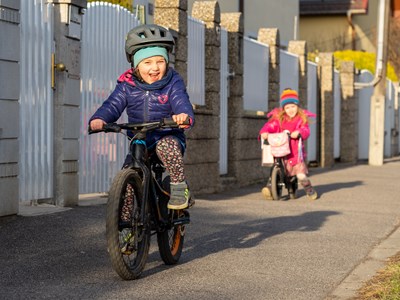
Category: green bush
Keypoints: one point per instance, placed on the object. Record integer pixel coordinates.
(362, 61)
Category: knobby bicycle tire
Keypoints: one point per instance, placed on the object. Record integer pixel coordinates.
(170, 241)
(276, 183)
(128, 245)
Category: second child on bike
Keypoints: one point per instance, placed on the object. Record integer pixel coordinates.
(292, 118)
(149, 91)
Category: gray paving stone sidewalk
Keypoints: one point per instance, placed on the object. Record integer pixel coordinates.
(238, 245)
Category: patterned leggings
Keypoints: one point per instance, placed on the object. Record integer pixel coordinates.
(168, 150)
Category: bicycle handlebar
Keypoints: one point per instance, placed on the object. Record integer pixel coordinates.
(163, 123)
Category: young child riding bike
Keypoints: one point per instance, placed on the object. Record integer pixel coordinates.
(149, 91)
(290, 117)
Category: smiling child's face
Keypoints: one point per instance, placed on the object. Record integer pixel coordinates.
(291, 110)
(152, 68)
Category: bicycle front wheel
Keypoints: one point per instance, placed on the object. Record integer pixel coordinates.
(128, 239)
(277, 183)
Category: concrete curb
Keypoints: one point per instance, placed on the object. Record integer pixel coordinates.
(373, 263)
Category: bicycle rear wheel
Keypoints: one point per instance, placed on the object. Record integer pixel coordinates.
(277, 183)
(128, 240)
(170, 240)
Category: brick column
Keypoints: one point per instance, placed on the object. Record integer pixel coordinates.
(173, 15)
(270, 36)
(300, 48)
(348, 114)
(326, 112)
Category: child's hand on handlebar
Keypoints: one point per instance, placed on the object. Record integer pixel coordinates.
(96, 124)
(180, 119)
(295, 134)
(264, 135)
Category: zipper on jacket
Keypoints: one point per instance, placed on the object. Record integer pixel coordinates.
(146, 107)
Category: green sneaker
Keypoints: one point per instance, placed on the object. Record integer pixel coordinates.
(180, 196)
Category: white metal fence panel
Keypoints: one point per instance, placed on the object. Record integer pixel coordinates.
(289, 71)
(389, 119)
(364, 114)
(196, 61)
(336, 114)
(224, 94)
(255, 75)
(312, 100)
(103, 60)
(397, 119)
(36, 101)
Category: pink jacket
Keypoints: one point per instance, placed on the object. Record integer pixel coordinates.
(273, 126)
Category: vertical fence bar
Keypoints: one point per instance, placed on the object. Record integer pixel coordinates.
(312, 98)
(336, 115)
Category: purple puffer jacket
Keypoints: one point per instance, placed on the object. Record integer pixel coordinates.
(148, 103)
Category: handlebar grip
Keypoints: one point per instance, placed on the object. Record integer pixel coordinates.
(91, 131)
(171, 123)
(111, 127)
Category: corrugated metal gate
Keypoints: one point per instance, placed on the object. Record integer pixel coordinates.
(289, 71)
(36, 101)
(196, 61)
(312, 98)
(103, 60)
(255, 75)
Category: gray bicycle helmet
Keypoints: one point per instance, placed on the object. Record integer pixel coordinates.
(147, 35)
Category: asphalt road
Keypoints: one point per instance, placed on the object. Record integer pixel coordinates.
(238, 245)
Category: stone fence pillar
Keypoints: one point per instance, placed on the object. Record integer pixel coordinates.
(270, 36)
(173, 15)
(326, 111)
(348, 114)
(209, 13)
(67, 37)
(300, 48)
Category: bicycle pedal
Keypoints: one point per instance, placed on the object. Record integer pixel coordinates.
(126, 249)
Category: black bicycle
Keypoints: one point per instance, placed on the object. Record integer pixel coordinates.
(137, 206)
(279, 180)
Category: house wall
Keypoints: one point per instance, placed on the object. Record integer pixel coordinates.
(334, 32)
(325, 33)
